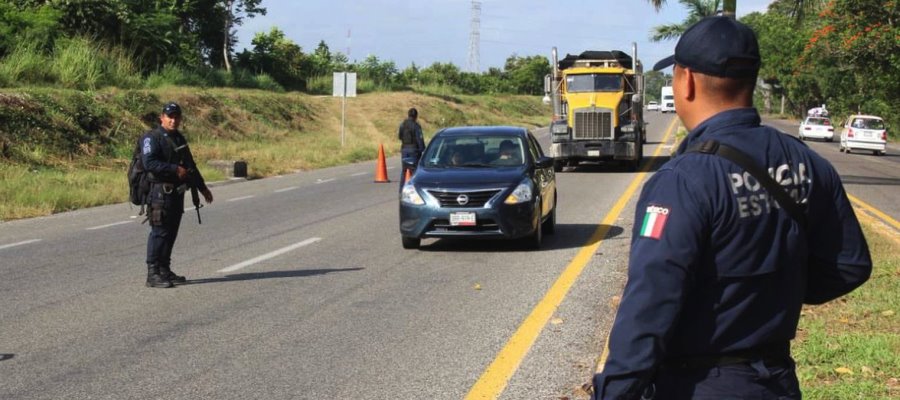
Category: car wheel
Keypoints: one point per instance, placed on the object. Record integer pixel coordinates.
(802, 137)
(410, 242)
(884, 153)
(534, 241)
(876, 153)
(847, 150)
(549, 226)
(829, 140)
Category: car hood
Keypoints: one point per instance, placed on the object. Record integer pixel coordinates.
(468, 177)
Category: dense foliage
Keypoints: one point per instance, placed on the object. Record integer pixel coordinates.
(86, 44)
(843, 53)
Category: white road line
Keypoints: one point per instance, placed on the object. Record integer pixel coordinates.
(391, 168)
(6, 246)
(286, 189)
(267, 256)
(359, 173)
(93, 228)
(319, 181)
(242, 198)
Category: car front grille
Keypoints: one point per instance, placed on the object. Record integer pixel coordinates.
(476, 198)
(593, 123)
(481, 225)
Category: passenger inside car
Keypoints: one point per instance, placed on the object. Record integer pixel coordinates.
(509, 154)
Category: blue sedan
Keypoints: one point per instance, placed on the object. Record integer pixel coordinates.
(491, 181)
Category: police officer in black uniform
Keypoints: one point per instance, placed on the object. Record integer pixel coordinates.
(412, 141)
(172, 171)
(719, 268)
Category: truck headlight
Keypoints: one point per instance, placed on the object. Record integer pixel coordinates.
(628, 128)
(521, 194)
(559, 129)
(409, 195)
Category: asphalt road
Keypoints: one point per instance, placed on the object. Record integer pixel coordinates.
(299, 289)
(873, 179)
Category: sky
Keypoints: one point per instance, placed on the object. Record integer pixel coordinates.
(428, 31)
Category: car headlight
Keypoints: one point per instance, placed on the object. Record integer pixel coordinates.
(409, 195)
(521, 194)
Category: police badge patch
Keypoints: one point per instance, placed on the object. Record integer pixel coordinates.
(654, 221)
(147, 146)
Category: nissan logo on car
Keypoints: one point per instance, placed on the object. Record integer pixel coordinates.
(462, 199)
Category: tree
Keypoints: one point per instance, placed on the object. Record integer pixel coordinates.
(526, 74)
(235, 10)
(697, 10)
(276, 55)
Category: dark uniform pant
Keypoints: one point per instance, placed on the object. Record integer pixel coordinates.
(407, 153)
(165, 214)
(756, 381)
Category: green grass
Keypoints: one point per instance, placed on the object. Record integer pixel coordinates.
(64, 149)
(848, 349)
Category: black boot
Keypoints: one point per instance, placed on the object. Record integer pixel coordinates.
(155, 280)
(166, 272)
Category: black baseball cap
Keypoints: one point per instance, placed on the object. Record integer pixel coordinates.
(171, 109)
(718, 46)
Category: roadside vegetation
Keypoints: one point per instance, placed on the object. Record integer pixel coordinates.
(847, 349)
(69, 149)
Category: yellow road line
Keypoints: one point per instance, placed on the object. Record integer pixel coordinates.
(495, 378)
(863, 205)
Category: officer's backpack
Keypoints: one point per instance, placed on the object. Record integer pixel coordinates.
(138, 179)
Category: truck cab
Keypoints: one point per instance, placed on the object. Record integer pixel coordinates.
(597, 108)
(667, 100)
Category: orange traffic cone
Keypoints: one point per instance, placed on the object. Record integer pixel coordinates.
(381, 167)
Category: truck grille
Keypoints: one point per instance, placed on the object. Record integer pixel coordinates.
(475, 198)
(593, 123)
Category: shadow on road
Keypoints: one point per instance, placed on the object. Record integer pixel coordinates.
(300, 273)
(567, 236)
(869, 180)
(616, 166)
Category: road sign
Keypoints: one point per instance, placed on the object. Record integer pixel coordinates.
(344, 86)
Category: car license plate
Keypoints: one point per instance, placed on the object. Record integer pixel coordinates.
(593, 153)
(462, 219)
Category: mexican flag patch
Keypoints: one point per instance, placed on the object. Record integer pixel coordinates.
(654, 221)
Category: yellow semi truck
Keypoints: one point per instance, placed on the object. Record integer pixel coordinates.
(597, 108)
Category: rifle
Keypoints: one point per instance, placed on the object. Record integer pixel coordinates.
(195, 197)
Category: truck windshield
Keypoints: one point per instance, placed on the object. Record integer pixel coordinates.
(594, 83)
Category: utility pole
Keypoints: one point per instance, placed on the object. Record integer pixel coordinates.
(475, 38)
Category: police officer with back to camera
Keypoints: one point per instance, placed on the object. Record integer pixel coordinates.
(172, 171)
(732, 236)
(412, 141)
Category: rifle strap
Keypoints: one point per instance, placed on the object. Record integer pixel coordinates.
(794, 209)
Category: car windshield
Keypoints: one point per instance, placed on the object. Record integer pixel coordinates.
(818, 121)
(474, 151)
(868, 123)
(594, 83)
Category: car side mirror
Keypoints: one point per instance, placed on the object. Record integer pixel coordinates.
(544, 162)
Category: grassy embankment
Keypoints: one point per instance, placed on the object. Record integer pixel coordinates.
(848, 349)
(67, 149)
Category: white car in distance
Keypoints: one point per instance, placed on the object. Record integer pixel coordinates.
(864, 132)
(816, 128)
(652, 106)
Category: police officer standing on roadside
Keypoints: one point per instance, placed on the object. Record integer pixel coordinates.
(172, 171)
(721, 262)
(412, 141)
